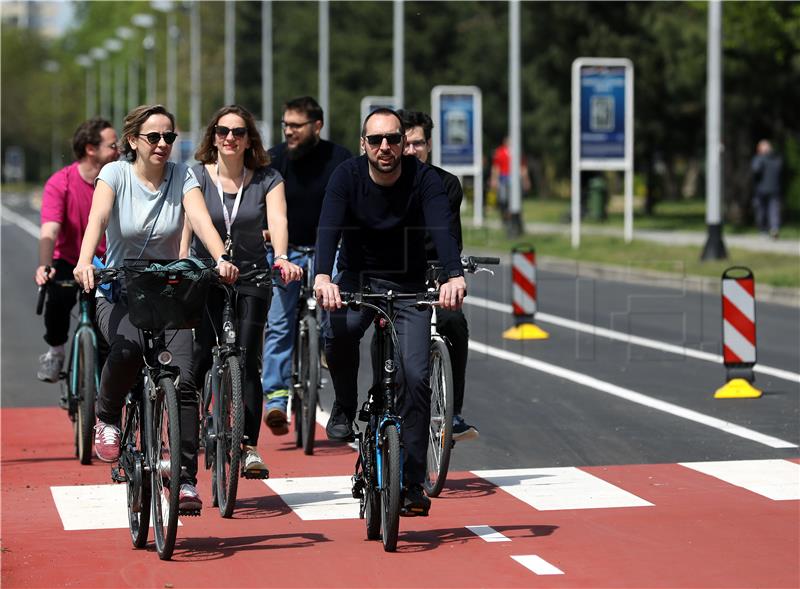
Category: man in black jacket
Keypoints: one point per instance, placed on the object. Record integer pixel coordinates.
(451, 324)
(381, 205)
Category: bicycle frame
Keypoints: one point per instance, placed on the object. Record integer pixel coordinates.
(84, 324)
(306, 304)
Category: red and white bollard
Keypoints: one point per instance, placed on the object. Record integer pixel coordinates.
(523, 297)
(738, 334)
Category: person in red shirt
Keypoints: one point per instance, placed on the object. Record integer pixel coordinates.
(500, 176)
(66, 201)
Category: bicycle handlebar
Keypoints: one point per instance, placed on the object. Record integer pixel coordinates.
(422, 298)
(102, 276)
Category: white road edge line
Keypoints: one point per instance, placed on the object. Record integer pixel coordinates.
(26, 225)
(488, 534)
(537, 564)
(627, 338)
(630, 395)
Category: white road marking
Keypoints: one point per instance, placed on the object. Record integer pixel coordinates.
(537, 564)
(629, 339)
(488, 534)
(317, 498)
(92, 507)
(632, 396)
(20, 221)
(552, 489)
(774, 479)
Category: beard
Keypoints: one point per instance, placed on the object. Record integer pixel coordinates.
(303, 148)
(384, 167)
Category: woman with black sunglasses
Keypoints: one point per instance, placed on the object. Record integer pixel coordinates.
(140, 204)
(245, 198)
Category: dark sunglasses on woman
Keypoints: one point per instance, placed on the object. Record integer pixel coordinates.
(238, 132)
(153, 138)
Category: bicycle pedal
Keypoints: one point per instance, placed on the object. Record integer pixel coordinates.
(363, 415)
(190, 512)
(256, 474)
(117, 475)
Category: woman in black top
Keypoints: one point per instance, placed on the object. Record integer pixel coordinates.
(245, 198)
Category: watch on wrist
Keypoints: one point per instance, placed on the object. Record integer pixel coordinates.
(282, 257)
(224, 258)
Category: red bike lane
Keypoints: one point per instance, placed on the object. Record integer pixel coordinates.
(681, 528)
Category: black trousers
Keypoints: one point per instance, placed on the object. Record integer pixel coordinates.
(453, 326)
(122, 369)
(58, 307)
(252, 312)
(343, 331)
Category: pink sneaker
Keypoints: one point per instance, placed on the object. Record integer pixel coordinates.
(106, 441)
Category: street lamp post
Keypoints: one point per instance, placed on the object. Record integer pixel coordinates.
(145, 21)
(125, 34)
(53, 68)
(99, 55)
(230, 52)
(114, 46)
(91, 92)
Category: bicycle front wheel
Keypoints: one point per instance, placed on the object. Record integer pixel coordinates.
(162, 419)
(86, 395)
(137, 482)
(390, 487)
(310, 383)
(229, 430)
(372, 496)
(440, 429)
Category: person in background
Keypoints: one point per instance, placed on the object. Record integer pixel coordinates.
(140, 204)
(500, 177)
(767, 167)
(244, 197)
(66, 201)
(452, 324)
(306, 162)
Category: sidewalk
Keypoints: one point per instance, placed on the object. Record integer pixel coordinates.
(757, 243)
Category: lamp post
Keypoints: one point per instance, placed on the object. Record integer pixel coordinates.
(230, 52)
(173, 34)
(91, 92)
(125, 34)
(53, 68)
(194, 75)
(99, 55)
(145, 21)
(114, 46)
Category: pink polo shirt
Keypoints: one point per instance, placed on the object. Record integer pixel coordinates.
(66, 200)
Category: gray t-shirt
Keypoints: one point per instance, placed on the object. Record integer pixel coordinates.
(136, 210)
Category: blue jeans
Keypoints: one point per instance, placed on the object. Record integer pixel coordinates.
(276, 373)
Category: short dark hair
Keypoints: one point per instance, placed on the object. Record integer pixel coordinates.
(255, 156)
(88, 133)
(133, 124)
(417, 118)
(306, 105)
(382, 111)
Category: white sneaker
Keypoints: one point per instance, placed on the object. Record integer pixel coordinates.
(253, 464)
(50, 366)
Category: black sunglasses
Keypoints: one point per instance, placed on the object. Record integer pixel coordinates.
(391, 139)
(153, 138)
(238, 132)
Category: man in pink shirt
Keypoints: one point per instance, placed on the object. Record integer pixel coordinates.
(66, 202)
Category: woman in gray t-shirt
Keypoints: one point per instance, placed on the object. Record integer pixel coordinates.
(245, 197)
(140, 204)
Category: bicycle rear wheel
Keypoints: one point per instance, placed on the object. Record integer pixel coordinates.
(440, 430)
(137, 482)
(390, 489)
(162, 420)
(86, 395)
(310, 383)
(229, 430)
(372, 496)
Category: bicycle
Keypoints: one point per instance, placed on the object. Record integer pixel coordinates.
(223, 404)
(377, 481)
(158, 299)
(440, 442)
(306, 359)
(81, 381)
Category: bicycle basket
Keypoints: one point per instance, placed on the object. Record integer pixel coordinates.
(166, 297)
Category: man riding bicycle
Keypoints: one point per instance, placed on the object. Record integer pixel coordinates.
(66, 201)
(381, 204)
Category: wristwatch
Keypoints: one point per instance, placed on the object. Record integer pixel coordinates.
(282, 257)
(224, 258)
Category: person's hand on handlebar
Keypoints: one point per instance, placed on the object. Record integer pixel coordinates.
(327, 292)
(84, 275)
(227, 271)
(289, 272)
(43, 274)
(452, 293)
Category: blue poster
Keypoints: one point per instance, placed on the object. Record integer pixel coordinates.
(457, 116)
(602, 112)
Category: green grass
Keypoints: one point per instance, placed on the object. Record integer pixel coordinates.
(773, 269)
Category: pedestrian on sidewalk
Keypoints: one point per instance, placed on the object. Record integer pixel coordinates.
(767, 167)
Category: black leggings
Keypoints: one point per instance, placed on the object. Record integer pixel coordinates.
(60, 302)
(123, 367)
(251, 311)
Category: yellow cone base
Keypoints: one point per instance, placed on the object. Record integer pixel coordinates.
(525, 331)
(737, 388)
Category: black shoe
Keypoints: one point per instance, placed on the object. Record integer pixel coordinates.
(340, 426)
(462, 430)
(415, 502)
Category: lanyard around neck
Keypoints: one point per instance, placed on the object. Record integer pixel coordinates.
(230, 218)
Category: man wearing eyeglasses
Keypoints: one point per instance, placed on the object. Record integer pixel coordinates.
(306, 162)
(382, 204)
(66, 200)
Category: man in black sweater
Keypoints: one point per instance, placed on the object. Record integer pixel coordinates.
(306, 162)
(451, 324)
(381, 205)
